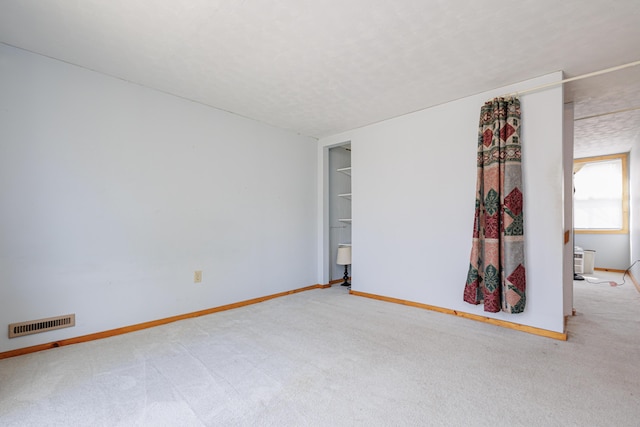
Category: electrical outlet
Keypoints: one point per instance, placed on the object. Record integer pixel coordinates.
(197, 276)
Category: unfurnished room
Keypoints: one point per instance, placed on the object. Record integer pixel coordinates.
(260, 213)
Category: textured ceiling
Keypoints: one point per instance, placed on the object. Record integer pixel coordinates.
(322, 67)
(607, 112)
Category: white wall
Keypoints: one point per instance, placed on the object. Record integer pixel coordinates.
(634, 205)
(612, 250)
(113, 194)
(567, 158)
(413, 184)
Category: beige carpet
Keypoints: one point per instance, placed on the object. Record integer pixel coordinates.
(326, 358)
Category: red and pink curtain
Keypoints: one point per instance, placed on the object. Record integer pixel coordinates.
(496, 276)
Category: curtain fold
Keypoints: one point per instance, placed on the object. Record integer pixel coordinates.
(496, 275)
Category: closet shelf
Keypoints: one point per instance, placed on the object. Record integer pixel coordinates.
(346, 171)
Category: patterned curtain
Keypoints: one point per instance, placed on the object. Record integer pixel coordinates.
(496, 274)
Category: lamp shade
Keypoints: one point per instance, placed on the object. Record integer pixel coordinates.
(344, 255)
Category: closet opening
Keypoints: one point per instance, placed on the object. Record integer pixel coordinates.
(339, 209)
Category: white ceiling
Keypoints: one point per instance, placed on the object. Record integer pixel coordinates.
(319, 67)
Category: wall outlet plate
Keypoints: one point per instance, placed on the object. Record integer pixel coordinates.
(197, 276)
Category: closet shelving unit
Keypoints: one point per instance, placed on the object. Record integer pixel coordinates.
(346, 171)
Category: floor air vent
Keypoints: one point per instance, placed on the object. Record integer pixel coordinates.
(41, 325)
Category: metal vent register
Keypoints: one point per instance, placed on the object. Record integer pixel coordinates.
(41, 325)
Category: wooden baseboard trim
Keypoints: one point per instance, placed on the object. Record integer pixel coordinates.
(150, 324)
(561, 336)
(612, 270)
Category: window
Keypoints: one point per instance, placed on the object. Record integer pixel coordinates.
(601, 196)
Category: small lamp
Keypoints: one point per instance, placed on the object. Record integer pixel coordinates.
(344, 258)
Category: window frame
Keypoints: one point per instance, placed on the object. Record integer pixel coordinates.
(625, 193)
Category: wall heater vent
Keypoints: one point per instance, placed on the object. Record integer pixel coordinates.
(41, 325)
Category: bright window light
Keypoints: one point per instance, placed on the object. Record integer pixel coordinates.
(599, 198)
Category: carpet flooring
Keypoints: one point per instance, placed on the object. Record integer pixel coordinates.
(327, 358)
